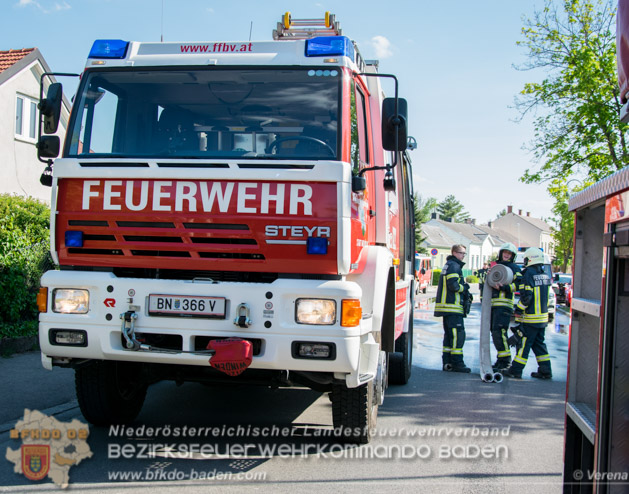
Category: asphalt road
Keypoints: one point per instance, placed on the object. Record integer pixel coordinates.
(441, 433)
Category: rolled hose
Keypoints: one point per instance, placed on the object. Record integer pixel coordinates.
(499, 275)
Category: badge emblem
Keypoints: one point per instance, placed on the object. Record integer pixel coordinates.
(35, 461)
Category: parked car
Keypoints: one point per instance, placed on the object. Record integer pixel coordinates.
(562, 286)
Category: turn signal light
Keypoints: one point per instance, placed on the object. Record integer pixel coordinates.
(42, 299)
(351, 313)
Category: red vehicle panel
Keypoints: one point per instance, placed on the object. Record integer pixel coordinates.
(166, 224)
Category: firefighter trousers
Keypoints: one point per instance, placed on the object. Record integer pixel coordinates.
(500, 319)
(453, 339)
(533, 339)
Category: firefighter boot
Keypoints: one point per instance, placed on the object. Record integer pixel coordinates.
(513, 373)
(501, 364)
(542, 373)
(461, 367)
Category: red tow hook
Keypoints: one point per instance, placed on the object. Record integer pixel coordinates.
(232, 355)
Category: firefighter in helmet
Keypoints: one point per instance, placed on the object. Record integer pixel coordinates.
(452, 299)
(533, 310)
(502, 299)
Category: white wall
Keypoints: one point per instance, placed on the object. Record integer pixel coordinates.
(19, 167)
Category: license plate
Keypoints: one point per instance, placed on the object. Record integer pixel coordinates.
(186, 305)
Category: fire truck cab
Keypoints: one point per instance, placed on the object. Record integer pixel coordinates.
(258, 191)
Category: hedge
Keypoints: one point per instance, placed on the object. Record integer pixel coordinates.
(24, 256)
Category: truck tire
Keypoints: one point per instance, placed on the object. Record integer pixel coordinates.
(110, 392)
(354, 412)
(401, 362)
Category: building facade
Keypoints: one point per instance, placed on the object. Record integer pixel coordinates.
(20, 75)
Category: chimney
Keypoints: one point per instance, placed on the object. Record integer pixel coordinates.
(528, 213)
(509, 209)
(473, 221)
(489, 224)
(519, 212)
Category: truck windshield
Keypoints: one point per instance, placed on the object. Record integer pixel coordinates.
(207, 113)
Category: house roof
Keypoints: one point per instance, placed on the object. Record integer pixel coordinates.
(499, 236)
(11, 57)
(470, 232)
(14, 61)
(439, 232)
(536, 222)
(437, 236)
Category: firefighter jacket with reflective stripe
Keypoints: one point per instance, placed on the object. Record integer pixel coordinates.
(482, 275)
(451, 288)
(504, 296)
(534, 296)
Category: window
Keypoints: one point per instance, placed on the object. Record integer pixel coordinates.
(26, 118)
(207, 113)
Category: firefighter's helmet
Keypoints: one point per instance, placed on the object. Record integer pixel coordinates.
(508, 246)
(533, 256)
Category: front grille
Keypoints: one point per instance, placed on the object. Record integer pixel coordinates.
(164, 239)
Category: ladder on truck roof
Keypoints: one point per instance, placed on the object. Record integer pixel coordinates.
(290, 28)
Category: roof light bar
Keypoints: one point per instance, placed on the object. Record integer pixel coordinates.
(326, 46)
(109, 48)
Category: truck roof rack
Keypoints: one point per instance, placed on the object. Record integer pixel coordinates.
(290, 28)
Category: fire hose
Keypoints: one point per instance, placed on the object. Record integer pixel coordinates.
(497, 275)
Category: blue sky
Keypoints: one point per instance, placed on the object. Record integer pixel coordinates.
(454, 61)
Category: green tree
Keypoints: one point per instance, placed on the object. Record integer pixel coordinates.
(450, 207)
(576, 106)
(423, 211)
(564, 225)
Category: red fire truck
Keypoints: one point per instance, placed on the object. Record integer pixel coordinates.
(255, 192)
(596, 453)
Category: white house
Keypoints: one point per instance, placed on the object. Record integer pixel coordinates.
(20, 170)
(481, 241)
(529, 231)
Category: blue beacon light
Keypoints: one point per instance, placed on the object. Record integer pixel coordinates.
(326, 46)
(74, 239)
(317, 245)
(109, 48)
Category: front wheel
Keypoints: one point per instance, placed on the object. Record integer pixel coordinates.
(400, 362)
(110, 392)
(355, 411)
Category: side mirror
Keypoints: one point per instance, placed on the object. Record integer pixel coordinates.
(48, 147)
(359, 183)
(50, 108)
(394, 124)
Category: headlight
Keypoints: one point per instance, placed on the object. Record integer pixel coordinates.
(70, 301)
(315, 311)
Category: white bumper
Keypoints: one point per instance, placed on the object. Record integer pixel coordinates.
(272, 314)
